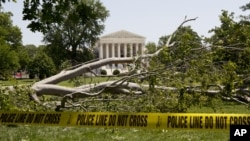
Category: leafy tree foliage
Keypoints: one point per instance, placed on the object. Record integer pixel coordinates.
(31, 50)
(43, 14)
(76, 26)
(61, 56)
(41, 65)
(24, 59)
(245, 7)
(3, 1)
(12, 56)
(231, 43)
(8, 59)
(11, 34)
(185, 66)
(151, 47)
(185, 42)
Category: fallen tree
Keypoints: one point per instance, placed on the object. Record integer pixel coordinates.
(48, 87)
(125, 85)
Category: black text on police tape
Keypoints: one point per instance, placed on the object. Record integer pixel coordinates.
(30, 118)
(122, 120)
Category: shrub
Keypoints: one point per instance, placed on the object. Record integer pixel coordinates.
(32, 75)
(103, 72)
(116, 72)
(41, 76)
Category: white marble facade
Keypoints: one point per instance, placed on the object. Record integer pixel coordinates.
(118, 45)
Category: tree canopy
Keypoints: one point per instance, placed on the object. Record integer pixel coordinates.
(8, 32)
(8, 60)
(185, 40)
(11, 43)
(151, 47)
(77, 25)
(230, 42)
(41, 65)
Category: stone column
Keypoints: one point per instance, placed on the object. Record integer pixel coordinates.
(142, 47)
(119, 50)
(136, 48)
(101, 51)
(113, 50)
(131, 50)
(139, 48)
(107, 50)
(125, 50)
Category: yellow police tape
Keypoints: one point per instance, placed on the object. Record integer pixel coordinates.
(129, 120)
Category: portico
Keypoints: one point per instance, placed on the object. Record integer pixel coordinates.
(120, 50)
(120, 44)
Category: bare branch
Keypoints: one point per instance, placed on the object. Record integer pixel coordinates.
(173, 34)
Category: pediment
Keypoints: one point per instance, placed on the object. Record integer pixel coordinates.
(122, 34)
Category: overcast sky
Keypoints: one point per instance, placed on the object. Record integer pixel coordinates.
(149, 18)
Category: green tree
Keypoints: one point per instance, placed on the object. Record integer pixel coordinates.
(151, 47)
(8, 60)
(41, 65)
(24, 58)
(43, 14)
(162, 40)
(77, 25)
(25, 54)
(31, 50)
(183, 61)
(231, 42)
(185, 42)
(11, 34)
(11, 42)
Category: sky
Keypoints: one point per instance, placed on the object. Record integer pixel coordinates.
(149, 18)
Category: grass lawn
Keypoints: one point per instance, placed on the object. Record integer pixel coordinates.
(27, 133)
(86, 80)
(16, 82)
(69, 83)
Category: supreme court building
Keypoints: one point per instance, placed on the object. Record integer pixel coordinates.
(118, 45)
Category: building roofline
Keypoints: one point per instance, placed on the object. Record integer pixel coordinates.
(122, 34)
